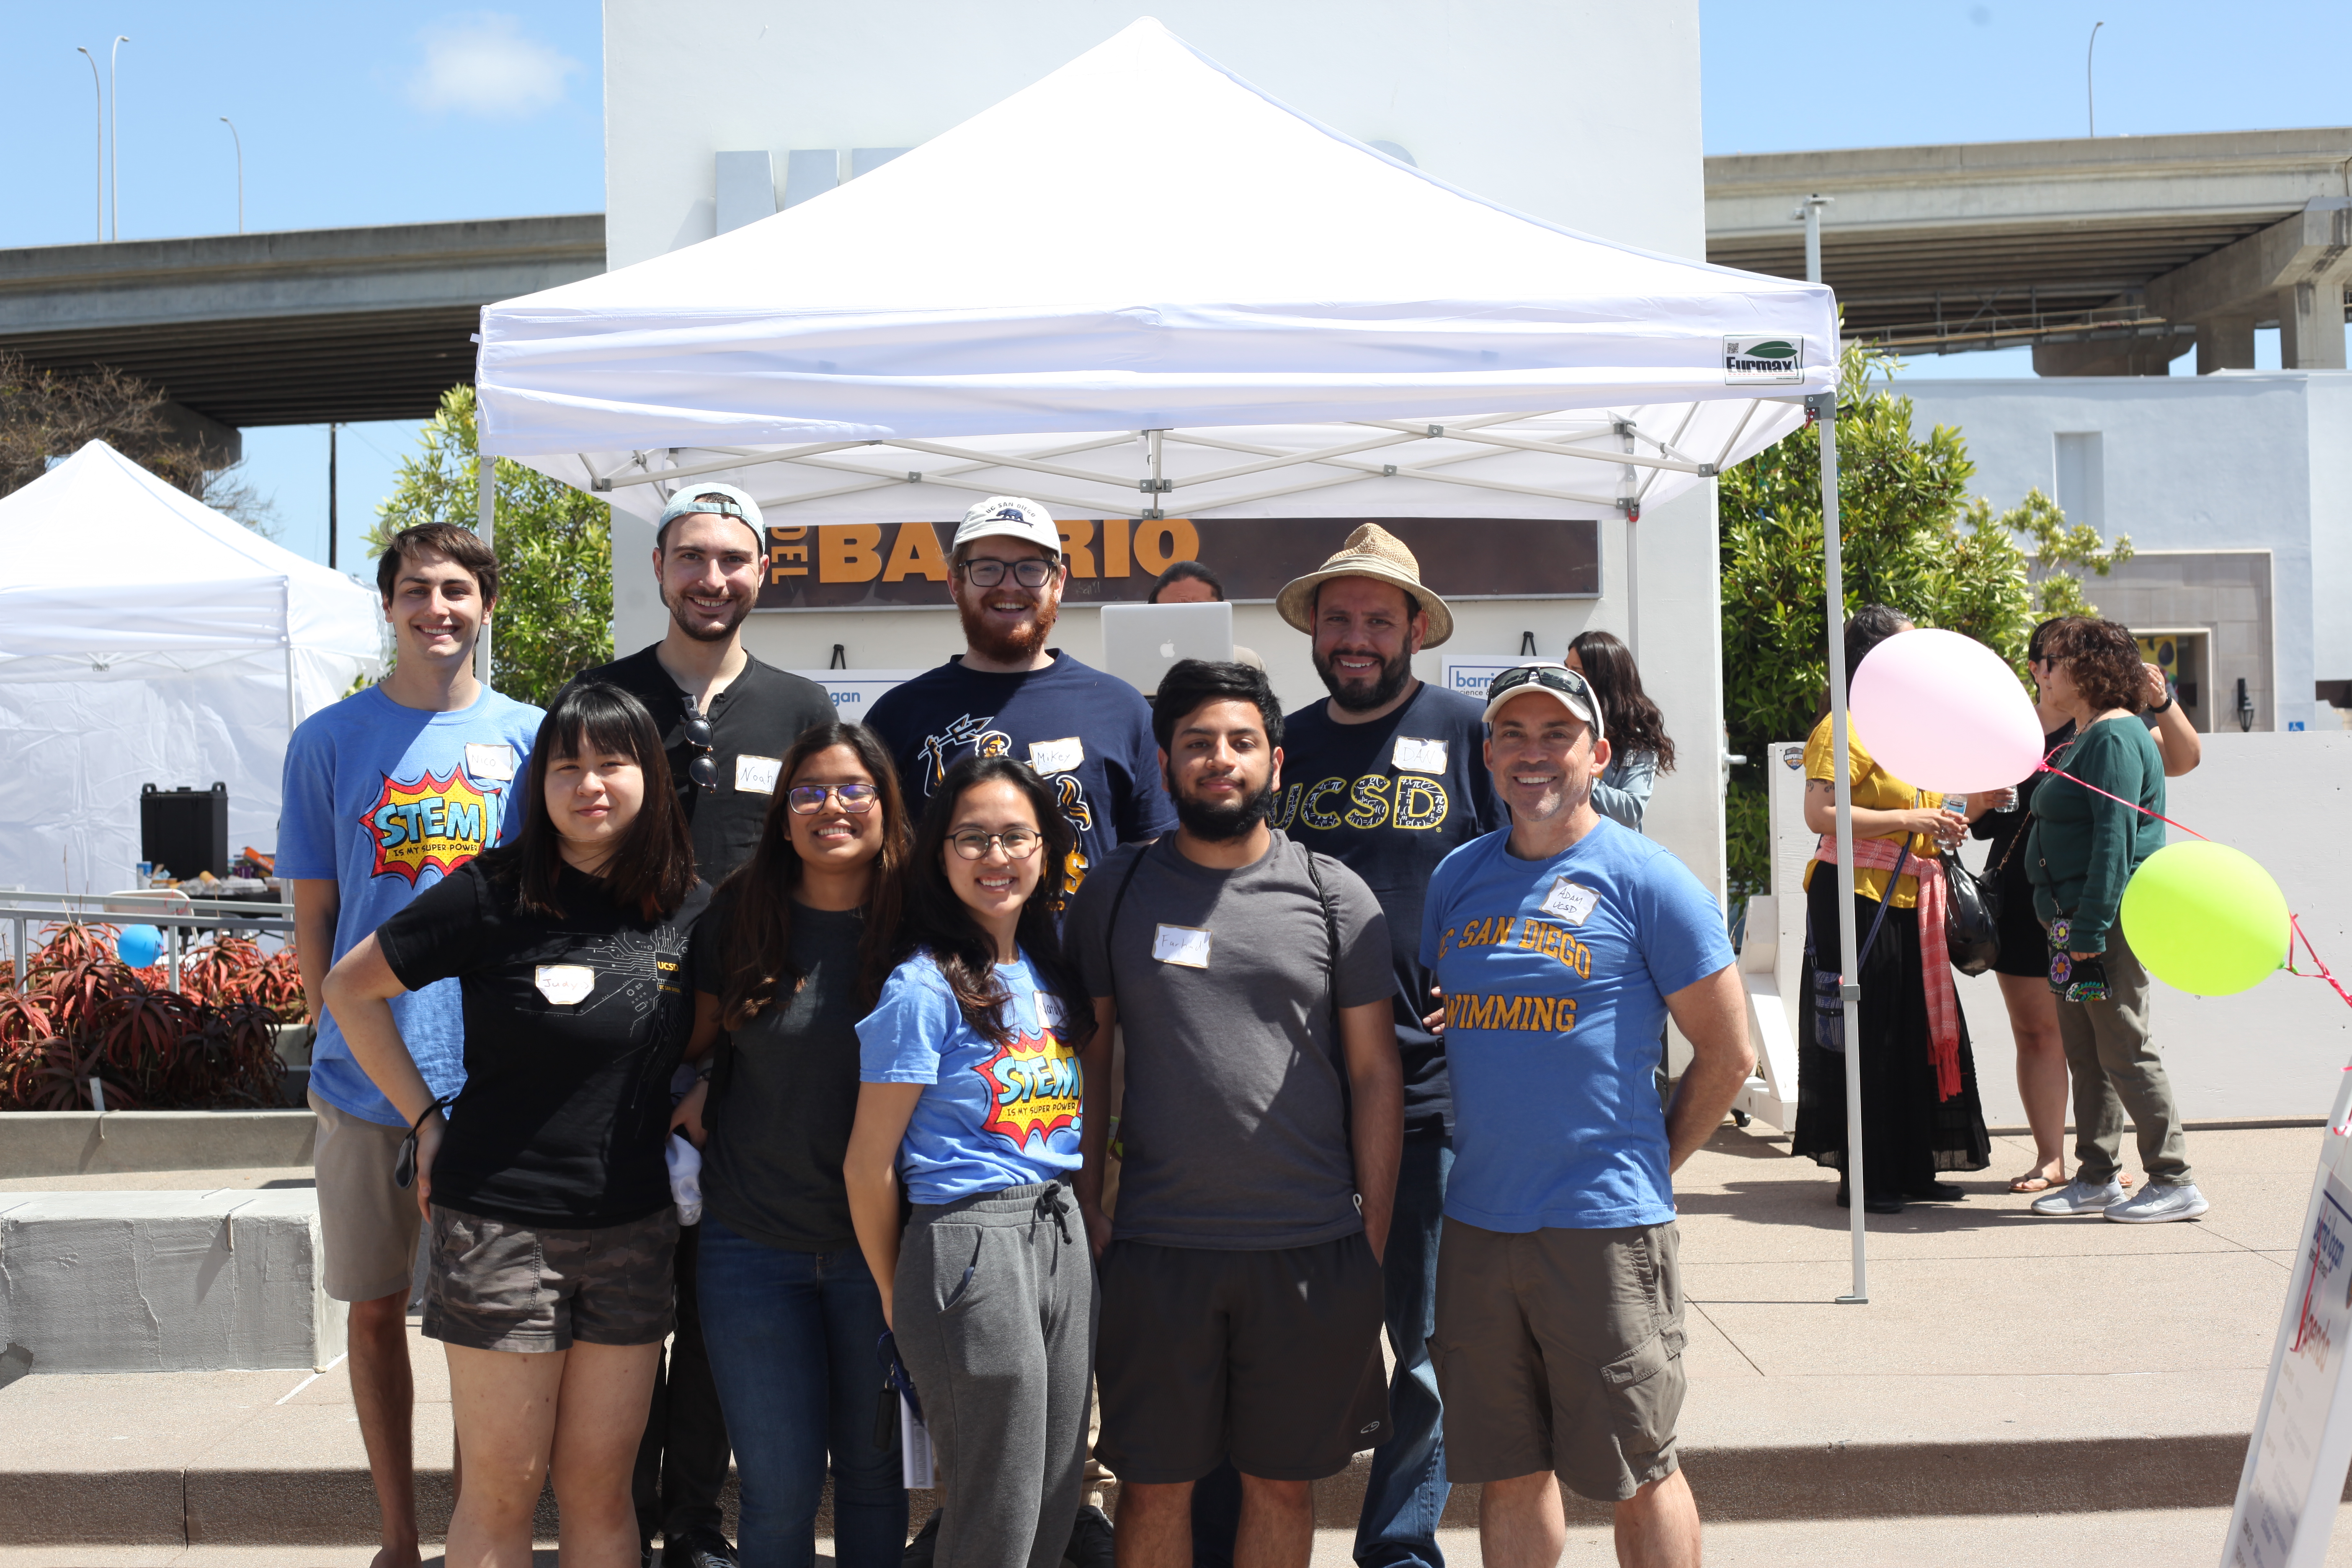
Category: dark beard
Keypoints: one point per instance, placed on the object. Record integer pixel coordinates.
(1222, 823)
(718, 634)
(1394, 675)
(1016, 648)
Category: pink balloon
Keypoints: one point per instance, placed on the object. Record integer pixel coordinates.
(1942, 711)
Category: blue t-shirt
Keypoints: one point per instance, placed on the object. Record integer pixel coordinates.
(1086, 733)
(384, 801)
(991, 1116)
(1556, 974)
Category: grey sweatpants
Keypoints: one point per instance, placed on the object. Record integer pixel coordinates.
(2115, 1069)
(994, 1312)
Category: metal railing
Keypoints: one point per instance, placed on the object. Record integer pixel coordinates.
(173, 911)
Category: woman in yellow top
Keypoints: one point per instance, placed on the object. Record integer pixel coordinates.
(1919, 1111)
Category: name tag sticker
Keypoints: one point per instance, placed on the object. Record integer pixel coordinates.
(1056, 756)
(564, 984)
(1571, 901)
(1049, 1009)
(494, 762)
(1187, 945)
(1414, 755)
(757, 775)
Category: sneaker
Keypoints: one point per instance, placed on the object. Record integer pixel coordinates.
(1091, 1540)
(2155, 1203)
(2079, 1196)
(925, 1544)
(699, 1552)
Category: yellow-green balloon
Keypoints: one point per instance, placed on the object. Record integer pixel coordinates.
(2205, 919)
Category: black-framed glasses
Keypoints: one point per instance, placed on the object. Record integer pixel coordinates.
(695, 732)
(987, 572)
(855, 798)
(1018, 843)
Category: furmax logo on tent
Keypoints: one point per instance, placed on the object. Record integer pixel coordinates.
(1762, 359)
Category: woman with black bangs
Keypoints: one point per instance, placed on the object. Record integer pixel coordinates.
(971, 1096)
(792, 952)
(545, 1193)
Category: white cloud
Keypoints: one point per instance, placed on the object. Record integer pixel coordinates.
(482, 64)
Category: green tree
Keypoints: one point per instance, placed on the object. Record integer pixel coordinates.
(1913, 538)
(46, 414)
(555, 614)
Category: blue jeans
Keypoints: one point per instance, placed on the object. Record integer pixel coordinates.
(1407, 1489)
(791, 1338)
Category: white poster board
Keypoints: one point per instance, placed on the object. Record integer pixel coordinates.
(2303, 1435)
(1471, 673)
(854, 691)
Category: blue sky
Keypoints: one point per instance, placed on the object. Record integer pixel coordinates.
(365, 113)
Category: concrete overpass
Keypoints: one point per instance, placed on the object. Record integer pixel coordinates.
(296, 328)
(2109, 256)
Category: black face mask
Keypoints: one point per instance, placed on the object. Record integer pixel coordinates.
(1222, 823)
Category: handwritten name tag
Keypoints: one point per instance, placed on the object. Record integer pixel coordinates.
(1187, 945)
(1056, 756)
(1414, 755)
(757, 775)
(1571, 901)
(494, 762)
(564, 984)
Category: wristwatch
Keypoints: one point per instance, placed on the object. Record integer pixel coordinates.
(2168, 702)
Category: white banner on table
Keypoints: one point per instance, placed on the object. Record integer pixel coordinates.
(2303, 1435)
(854, 691)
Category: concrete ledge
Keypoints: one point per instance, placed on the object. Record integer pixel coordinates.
(85, 1142)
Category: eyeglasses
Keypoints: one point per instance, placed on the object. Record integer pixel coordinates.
(986, 572)
(1018, 843)
(695, 732)
(855, 798)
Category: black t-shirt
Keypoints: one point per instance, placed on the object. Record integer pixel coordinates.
(1389, 800)
(1088, 735)
(2005, 858)
(574, 1027)
(753, 723)
(783, 1090)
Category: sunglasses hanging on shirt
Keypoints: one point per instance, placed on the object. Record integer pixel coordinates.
(696, 731)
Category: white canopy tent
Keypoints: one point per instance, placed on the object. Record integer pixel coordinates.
(146, 638)
(1141, 287)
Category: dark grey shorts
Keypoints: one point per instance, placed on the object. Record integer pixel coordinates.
(1560, 1351)
(499, 1285)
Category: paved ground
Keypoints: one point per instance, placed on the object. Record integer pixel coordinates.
(2017, 1387)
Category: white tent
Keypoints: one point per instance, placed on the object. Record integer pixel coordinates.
(146, 638)
(1141, 242)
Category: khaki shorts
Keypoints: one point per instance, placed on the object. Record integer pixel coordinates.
(367, 1227)
(499, 1285)
(1560, 1351)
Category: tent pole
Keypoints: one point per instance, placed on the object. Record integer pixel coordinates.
(1824, 407)
(486, 468)
(293, 701)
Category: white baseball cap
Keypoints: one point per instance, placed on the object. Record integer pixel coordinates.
(1557, 681)
(725, 501)
(1012, 518)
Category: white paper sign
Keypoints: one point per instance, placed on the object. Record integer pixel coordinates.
(1186, 945)
(757, 775)
(1571, 902)
(914, 1447)
(1414, 755)
(564, 984)
(1060, 756)
(494, 762)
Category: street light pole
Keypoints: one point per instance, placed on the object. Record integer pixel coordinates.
(98, 138)
(2090, 99)
(114, 128)
(239, 141)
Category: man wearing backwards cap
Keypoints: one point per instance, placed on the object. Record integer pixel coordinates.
(1086, 733)
(727, 720)
(1384, 776)
(1561, 943)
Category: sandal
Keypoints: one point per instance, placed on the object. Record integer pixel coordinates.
(2033, 1181)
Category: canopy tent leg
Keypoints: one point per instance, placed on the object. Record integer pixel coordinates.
(486, 502)
(1824, 407)
(293, 692)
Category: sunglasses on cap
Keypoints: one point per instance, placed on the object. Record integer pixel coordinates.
(1571, 687)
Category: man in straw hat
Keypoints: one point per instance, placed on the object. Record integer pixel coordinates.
(1563, 944)
(1385, 776)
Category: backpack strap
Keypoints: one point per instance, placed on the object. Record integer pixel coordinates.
(1330, 934)
(1110, 926)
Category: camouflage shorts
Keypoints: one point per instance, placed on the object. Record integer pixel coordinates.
(499, 1285)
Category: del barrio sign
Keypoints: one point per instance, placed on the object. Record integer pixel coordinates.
(1114, 560)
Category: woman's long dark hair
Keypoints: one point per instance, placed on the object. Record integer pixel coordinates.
(758, 939)
(651, 870)
(938, 921)
(1630, 721)
(1865, 629)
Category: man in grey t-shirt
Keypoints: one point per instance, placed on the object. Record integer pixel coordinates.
(1241, 1293)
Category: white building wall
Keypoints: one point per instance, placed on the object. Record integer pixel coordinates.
(2240, 460)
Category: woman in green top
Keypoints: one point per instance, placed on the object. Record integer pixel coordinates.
(2084, 847)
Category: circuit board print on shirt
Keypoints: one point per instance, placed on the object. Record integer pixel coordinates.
(1407, 801)
(1033, 1086)
(637, 969)
(437, 822)
(971, 736)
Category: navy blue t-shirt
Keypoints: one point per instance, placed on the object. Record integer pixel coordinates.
(1088, 735)
(1390, 800)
